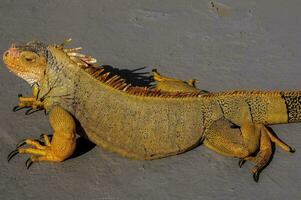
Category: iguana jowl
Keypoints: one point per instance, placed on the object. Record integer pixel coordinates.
(139, 122)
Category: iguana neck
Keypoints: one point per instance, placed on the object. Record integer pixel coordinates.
(58, 85)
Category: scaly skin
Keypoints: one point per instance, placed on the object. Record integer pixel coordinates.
(142, 123)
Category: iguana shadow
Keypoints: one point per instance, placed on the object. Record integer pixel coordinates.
(83, 144)
(136, 77)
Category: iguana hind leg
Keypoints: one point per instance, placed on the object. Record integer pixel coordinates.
(223, 137)
(62, 144)
(243, 142)
(263, 156)
(169, 84)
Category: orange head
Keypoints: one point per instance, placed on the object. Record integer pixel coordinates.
(28, 61)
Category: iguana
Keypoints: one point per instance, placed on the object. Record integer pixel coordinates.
(138, 122)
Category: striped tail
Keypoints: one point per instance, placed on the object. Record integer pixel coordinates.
(264, 107)
(293, 105)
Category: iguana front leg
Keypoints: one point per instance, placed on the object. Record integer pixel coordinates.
(62, 144)
(30, 102)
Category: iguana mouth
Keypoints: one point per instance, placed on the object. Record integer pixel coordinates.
(10, 56)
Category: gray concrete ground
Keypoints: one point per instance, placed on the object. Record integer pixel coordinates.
(226, 45)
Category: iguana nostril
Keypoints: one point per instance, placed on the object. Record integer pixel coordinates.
(6, 53)
(12, 52)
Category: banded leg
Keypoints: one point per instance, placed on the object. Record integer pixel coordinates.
(62, 144)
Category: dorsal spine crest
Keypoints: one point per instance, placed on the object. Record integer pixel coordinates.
(88, 64)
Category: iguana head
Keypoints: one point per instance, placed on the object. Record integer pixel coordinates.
(28, 61)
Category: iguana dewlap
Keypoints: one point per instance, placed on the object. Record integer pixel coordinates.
(142, 123)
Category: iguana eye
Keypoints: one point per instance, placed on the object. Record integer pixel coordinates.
(29, 56)
(29, 59)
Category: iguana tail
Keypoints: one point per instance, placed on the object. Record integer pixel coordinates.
(292, 101)
(276, 107)
(261, 107)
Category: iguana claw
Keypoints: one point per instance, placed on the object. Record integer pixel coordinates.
(12, 154)
(292, 150)
(31, 111)
(21, 143)
(28, 163)
(17, 107)
(256, 176)
(241, 162)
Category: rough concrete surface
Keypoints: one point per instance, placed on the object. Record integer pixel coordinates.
(226, 45)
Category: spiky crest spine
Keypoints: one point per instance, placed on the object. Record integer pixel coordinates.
(88, 64)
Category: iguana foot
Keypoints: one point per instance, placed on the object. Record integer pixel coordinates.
(262, 158)
(169, 84)
(279, 142)
(61, 146)
(38, 150)
(30, 102)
